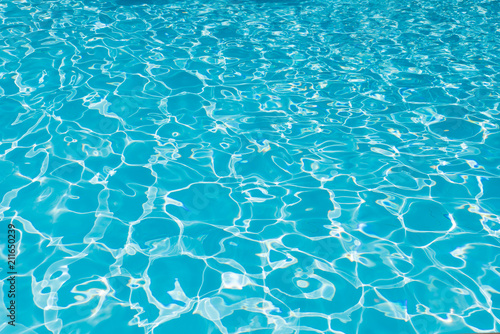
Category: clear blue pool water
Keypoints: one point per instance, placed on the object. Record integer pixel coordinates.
(251, 166)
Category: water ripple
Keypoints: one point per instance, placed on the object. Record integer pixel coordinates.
(252, 166)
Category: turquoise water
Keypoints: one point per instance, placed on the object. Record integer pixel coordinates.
(251, 166)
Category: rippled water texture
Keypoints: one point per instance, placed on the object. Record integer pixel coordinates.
(252, 166)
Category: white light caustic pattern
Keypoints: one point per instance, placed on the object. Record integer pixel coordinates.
(238, 166)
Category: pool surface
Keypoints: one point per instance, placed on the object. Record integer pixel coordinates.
(251, 166)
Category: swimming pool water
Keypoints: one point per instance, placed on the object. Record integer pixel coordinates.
(251, 166)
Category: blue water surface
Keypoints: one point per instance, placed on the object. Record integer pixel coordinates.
(251, 166)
